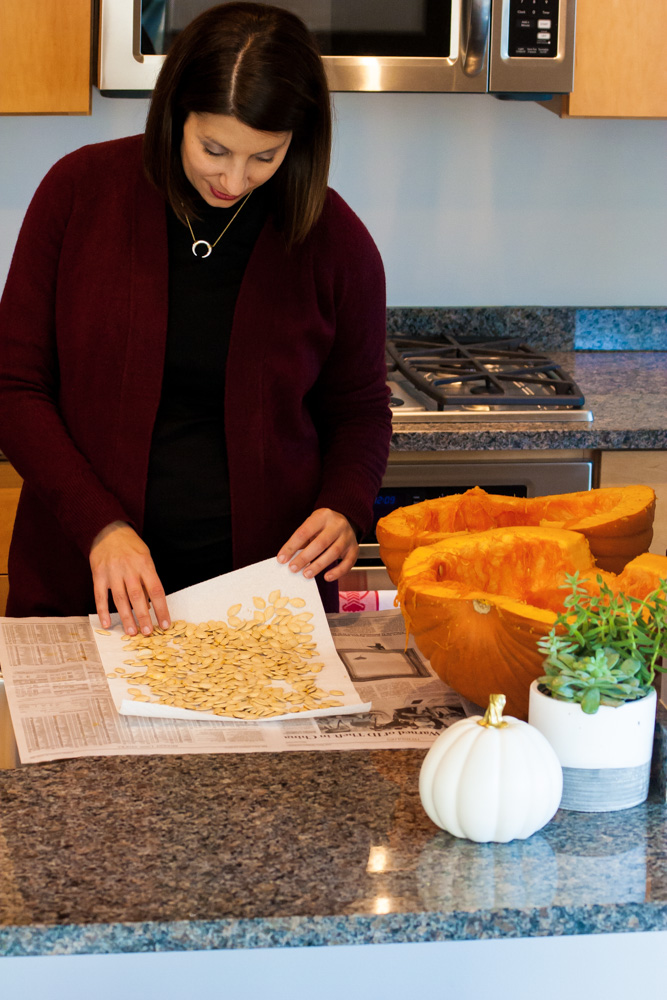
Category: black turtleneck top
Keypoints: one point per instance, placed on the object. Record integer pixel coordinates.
(187, 523)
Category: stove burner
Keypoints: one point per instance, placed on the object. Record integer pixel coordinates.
(459, 372)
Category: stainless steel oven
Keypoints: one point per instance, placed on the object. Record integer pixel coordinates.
(510, 47)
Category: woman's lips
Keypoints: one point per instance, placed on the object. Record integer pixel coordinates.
(222, 196)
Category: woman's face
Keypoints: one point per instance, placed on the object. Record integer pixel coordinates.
(225, 160)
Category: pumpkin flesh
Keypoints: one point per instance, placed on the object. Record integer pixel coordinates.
(478, 603)
(618, 521)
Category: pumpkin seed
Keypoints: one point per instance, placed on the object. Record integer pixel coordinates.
(242, 668)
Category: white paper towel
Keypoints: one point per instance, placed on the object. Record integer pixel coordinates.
(209, 601)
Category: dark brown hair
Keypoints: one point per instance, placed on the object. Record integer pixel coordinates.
(261, 65)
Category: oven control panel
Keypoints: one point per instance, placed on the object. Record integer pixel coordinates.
(533, 29)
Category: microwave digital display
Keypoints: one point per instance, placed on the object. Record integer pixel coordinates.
(342, 27)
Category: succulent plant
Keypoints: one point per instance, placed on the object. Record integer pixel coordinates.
(604, 648)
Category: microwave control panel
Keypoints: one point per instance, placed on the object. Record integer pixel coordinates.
(533, 29)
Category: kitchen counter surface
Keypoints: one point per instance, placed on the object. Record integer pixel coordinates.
(118, 855)
(625, 390)
(187, 853)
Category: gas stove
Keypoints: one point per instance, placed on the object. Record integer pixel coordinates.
(465, 380)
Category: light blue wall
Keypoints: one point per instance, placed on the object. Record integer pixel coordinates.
(472, 201)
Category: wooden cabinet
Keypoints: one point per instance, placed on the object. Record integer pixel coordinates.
(648, 468)
(10, 487)
(45, 57)
(620, 68)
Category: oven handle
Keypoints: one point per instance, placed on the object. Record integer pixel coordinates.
(475, 17)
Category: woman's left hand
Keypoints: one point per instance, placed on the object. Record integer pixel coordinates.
(323, 538)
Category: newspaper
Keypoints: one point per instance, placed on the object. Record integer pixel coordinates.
(61, 705)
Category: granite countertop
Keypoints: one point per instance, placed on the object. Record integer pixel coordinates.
(624, 389)
(145, 854)
(296, 849)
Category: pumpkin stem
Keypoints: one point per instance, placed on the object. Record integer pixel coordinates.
(494, 713)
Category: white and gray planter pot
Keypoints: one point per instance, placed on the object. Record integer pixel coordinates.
(606, 757)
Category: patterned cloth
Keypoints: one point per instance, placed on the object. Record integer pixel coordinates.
(366, 600)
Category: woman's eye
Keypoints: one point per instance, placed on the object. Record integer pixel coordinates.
(213, 152)
(265, 159)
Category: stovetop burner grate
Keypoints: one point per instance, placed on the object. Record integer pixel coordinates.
(460, 372)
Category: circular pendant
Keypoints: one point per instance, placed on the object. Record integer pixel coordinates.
(201, 243)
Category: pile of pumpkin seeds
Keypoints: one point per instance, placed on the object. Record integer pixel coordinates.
(251, 668)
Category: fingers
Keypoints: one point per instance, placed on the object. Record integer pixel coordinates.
(159, 601)
(298, 541)
(324, 538)
(345, 564)
(102, 604)
(132, 603)
(121, 563)
(128, 597)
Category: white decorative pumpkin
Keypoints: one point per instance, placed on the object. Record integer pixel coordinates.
(491, 779)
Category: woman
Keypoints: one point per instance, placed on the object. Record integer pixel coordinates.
(192, 340)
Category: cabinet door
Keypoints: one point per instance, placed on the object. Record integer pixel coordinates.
(45, 56)
(10, 487)
(620, 66)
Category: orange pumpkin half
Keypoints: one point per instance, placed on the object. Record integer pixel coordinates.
(478, 602)
(617, 521)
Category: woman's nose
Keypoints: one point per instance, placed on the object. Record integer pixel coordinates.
(234, 178)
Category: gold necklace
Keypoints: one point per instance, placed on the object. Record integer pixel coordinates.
(204, 243)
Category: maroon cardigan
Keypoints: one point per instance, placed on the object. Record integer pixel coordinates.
(83, 324)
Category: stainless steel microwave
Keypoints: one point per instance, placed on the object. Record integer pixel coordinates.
(518, 48)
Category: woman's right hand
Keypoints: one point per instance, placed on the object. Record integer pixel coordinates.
(121, 563)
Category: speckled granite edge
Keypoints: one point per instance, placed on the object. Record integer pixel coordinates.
(305, 932)
(545, 328)
(464, 437)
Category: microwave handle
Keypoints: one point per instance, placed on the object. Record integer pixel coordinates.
(475, 17)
